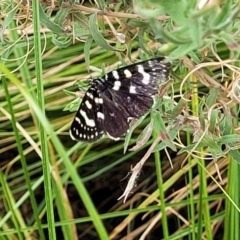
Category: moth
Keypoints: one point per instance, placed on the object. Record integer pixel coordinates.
(119, 96)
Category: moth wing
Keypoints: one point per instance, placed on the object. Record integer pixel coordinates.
(87, 124)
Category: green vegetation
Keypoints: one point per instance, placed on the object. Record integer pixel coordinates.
(187, 186)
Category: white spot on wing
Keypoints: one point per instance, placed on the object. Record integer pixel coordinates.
(89, 95)
(98, 100)
(100, 115)
(146, 76)
(117, 85)
(76, 131)
(71, 135)
(132, 89)
(78, 120)
(127, 73)
(89, 122)
(115, 74)
(88, 104)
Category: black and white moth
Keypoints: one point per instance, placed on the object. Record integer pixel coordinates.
(114, 99)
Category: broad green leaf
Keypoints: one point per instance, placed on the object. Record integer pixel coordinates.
(235, 155)
(97, 36)
(173, 133)
(61, 15)
(160, 129)
(7, 20)
(87, 48)
(226, 125)
(61, 41)
(231, 138)
(213, 120)
(212, 97)
(55, 28)
(130, 131)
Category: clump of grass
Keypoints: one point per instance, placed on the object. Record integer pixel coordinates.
(52, 186)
